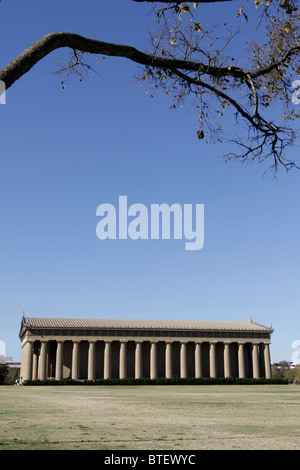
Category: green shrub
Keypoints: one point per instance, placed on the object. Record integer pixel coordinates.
(162, 381)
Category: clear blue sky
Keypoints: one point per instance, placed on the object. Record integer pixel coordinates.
(64, 152)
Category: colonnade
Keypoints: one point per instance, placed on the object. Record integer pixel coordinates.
(194, 358)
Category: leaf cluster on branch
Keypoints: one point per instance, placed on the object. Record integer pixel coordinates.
(248, 83)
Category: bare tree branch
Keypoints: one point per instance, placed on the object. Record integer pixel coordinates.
(178, 2)
(268, 135)
(52, 41)
(182, 61)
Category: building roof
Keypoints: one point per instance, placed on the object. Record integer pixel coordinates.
(104, 323)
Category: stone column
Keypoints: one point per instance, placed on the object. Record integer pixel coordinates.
(169, 365)
(267, 360)
(255, 361)
(123, 360)
(26, 368)
(227, 371)
(241, 360)
(212, 359)
(42, 361)
(35, 364)
(75, 360)
(153, 360)
(198, 359)
(107, 359)
(183, 359)
(138, 367)
(59, 360)
(91, 360)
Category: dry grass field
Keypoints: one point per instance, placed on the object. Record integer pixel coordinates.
(230, 417)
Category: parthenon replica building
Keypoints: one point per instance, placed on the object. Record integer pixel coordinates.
(61, 348)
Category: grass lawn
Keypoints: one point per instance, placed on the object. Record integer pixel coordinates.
(208, 417)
